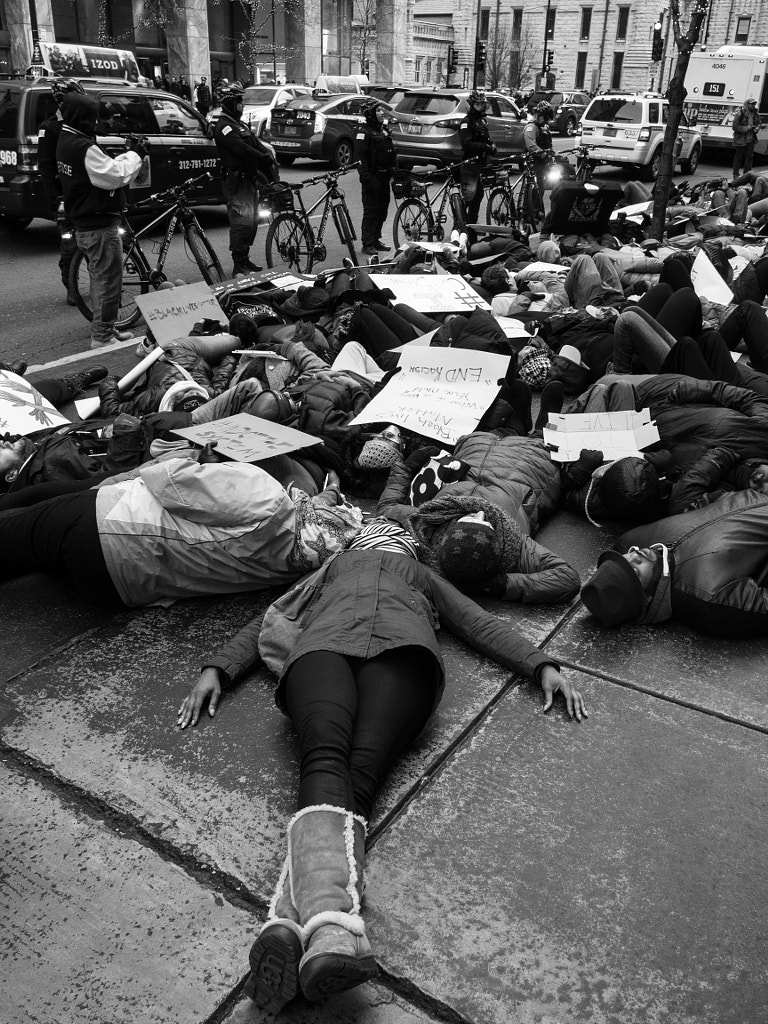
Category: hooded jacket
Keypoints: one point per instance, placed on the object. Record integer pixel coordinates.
(91, 181)
(718, 558)
(374, 149)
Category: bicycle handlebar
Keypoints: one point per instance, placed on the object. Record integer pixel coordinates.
(327, 177)
(176, 192)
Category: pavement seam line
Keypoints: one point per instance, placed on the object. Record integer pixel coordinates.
(678, 701)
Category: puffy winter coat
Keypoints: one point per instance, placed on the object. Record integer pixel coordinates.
(719, 558)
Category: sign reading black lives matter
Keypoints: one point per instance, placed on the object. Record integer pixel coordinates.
(439, 392)
(172, 313)
(248, 438)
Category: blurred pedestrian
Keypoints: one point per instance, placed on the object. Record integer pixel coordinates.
(203, 96)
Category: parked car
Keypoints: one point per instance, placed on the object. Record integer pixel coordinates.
(568, 107)
(260, 100)
(389, 93)
(180, 149)
(427, 122)
(628, 128)
(321, 128)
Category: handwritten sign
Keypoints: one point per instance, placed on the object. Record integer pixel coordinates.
(707, 283)
(428, 293)
(439, 392)
(23, 410)
(248, 438)
(173, 313)
(275, 278)
(615, 434)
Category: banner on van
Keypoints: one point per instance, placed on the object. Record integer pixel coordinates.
(69, 59)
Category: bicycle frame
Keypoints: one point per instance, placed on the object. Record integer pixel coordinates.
(173, 214)
(333, 192)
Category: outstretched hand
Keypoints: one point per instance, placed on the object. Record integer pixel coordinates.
(551, 682)
(206, 689)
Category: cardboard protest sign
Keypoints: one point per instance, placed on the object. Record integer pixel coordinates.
(248, 438)
(23, 410)
(429, 293)
(439, 392)
(173, 313)
(615, 434)
(707, 283)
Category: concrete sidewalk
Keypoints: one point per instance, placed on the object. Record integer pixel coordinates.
(521, 867)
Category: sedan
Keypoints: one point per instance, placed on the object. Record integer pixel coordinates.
(320, 128)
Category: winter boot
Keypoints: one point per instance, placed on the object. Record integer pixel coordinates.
(277, 952)
(326, 847)
(78, 382)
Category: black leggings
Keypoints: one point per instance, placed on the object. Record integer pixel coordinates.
(59, 535)
(354, 718)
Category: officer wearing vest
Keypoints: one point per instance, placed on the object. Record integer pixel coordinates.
(93, 185)
(48, 140)
(477, 146)
(247, 164)
(538, 140)
(375, 151)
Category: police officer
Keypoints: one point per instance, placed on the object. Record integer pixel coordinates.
(48, 139)
(247, 165)
(375, 151)
(476, 143)
(538, 140)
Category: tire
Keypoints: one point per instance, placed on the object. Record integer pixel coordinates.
(651, 169)
(500, 208)
(531, 214)
(14, 223)
(135, 282)
(413, 221)
(285, 161)
(205, 257)
(346, 231)
(289, 242)
(343, 154)
(570, 126)
(689, 166)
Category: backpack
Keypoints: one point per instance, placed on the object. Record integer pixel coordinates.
(327, 407)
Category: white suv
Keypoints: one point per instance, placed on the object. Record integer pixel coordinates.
(628, 128)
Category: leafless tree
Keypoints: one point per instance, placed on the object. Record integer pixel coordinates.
(524, 59)
(363, 31)
(685, 42)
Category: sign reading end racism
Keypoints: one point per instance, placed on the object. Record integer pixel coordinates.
(439, 392)
(247, 438)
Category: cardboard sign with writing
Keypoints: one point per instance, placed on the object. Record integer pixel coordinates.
(707, 283)
(248, 438)
(173, 313)
(429, 293)
(439, 392)
(615, 434)
(23, 410)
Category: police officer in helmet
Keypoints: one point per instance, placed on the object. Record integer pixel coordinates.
(375, 151)
(248, 165)
(538, 140)
(477, 145)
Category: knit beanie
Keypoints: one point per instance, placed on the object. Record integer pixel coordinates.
(469, 553)
(378, 453)
(535, 369)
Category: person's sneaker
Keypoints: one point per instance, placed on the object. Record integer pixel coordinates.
(382, 247)
(374, 261)
(370, 250)
(145, 346)
(116, 336)
(78, 382)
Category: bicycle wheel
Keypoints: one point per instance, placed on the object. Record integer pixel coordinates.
(289, 241)
(135, 282)
(413, 222)
(346, 230)
(530, 212)
(500, 208)
(204, 255)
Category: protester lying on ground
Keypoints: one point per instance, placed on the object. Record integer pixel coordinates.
(359, 673)
(704, 568)
(477, 529)
(177, 529)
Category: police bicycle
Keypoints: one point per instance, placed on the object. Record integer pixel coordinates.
(421, 216)
(139, 276)
(291, 239)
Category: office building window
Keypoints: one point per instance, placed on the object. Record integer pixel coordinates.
(581, 70)
(618, 63)
(428, 71)
(517, 23)
(417, 70)
(623, 23)
(586, 22)
(743, 23)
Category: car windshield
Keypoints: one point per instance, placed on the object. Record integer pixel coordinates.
(306, 102)
(555, 98)
(425, 103)
(615, 109)
(259, 97)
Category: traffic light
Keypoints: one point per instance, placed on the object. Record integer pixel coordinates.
(550, 59)
(453, 60)
(657, 46)
(480, 50)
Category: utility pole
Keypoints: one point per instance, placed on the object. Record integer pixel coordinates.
(475, 68)
(546, 39)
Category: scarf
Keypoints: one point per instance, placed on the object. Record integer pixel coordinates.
(321, 529)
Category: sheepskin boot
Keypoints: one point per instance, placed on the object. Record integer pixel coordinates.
(277, 952)
(326, 847)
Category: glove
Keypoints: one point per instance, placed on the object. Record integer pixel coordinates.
(141, 146)
(207, 454)
(418, 459)
(590, 459)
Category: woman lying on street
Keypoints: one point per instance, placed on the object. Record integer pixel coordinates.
(359, 673)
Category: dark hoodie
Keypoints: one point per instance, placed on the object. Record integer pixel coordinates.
(88, 206)
(374, 149)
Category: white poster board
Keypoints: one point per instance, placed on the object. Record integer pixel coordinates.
(615, 434)
(707, 283)
(23, 410)
(173, 312)
(429, 293)
(439, 392)
(248, 438)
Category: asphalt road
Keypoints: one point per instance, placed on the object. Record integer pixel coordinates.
(38, 326)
